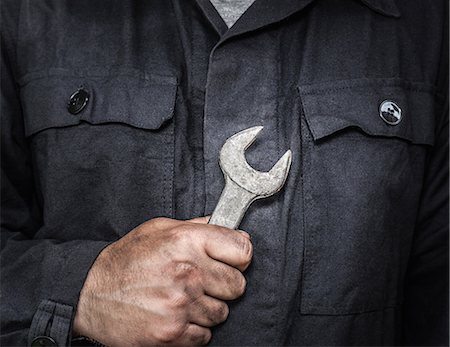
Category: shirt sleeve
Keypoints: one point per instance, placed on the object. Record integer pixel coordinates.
(41, 278)
(425, 313)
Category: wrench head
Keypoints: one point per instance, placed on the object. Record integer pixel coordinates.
(235, 166)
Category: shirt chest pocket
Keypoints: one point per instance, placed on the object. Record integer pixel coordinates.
(364, 156)
(108, 166)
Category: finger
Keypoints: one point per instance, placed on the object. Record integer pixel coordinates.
(200, 220)
(208, 312)
(195, 335)
(228, 246)
(161, 223)
(244, 233)
(223, 282)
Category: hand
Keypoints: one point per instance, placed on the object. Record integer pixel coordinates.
(164, 283)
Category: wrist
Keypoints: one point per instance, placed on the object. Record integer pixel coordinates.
(82, 322)
(81, 318)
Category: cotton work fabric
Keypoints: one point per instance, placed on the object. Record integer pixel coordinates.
(352, 251)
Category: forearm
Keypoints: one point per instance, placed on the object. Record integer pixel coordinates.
(41, 283)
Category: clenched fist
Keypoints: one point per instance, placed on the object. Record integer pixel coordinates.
(165, 282)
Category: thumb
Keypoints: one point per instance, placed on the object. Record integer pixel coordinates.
(200, 220)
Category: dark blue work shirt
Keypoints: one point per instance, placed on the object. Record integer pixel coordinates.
(352, 251)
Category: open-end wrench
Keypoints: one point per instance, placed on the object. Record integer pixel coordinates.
(243, 184)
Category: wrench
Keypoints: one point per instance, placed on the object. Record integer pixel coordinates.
(243, 184)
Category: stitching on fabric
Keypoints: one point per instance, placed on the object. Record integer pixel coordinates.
(135, 124)
(312, 89)
(306, 118)
(336, 89)
(142, 75)
(41, 319)
(278, 312)
(57, 330)
(307, 146)
(314, 310)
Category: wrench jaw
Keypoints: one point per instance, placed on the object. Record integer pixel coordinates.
(244, 139)
(234, 165)
(278, 174)
(243, 184)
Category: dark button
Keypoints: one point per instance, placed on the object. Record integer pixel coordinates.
(82, 341)
(43, 341)
(78, 101)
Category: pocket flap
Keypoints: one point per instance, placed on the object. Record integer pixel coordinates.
(131, 97)
(335, 106)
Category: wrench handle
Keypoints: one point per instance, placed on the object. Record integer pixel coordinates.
(233, 203)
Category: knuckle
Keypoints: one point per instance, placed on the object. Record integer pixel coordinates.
(206, 337)
(170, 333)
(157, 223)
(222, 312)
(200, 337)
(240, 285)
(177, 299)
(183, 270)
(183, 234)
(247, 250)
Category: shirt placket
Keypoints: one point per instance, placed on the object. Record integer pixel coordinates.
(241, 92)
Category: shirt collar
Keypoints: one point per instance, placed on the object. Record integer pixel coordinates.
(270, 11)
(386, 7)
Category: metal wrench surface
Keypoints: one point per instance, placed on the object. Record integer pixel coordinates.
(243, 184)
